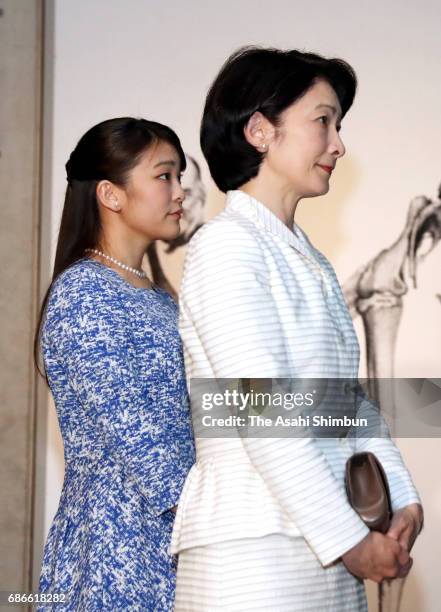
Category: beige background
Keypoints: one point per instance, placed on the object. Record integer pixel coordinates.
(143, 58)
(20, 130)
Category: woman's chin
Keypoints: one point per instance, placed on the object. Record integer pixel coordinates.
(317, 192)
(170, 233)
(323, 189)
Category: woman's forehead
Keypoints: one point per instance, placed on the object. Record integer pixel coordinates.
(320, 96)
(160, 154)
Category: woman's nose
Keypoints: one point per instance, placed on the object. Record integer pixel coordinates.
(337, 147)
(180, 193)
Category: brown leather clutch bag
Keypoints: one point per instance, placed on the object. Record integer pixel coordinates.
(368, 490)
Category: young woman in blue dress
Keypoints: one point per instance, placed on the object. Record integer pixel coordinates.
(113, 360)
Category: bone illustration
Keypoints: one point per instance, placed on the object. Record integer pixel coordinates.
(376, 292)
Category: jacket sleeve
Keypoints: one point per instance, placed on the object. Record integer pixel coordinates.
(230, 326)
(379, 442)
(87, 331)
(376, 436)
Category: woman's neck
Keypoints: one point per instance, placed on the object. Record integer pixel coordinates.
(130, 252)
(281, 201)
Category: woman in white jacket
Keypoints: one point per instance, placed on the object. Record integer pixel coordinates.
(263, 522)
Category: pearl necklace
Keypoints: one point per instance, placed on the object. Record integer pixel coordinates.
(120, 264)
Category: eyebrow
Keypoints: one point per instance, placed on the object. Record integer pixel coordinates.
(334, 110)
(168, 162)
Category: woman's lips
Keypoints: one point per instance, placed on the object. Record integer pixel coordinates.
(177, 214)
(327, 169)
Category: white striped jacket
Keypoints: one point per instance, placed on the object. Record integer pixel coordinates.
(258, 300)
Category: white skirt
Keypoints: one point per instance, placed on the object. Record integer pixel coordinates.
(274, 573)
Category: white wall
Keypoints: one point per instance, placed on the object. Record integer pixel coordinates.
(156, 60)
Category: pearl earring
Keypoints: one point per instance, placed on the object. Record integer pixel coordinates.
(263, 146)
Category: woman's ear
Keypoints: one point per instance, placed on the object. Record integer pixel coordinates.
(259, 131)
(107, 196)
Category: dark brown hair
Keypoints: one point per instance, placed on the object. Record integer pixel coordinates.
(108, 151)
(266, 80)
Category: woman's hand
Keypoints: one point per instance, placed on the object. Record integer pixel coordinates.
(406, 525)
(377, 557)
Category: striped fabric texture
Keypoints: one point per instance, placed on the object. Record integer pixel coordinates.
(259, 301)
(269, 574)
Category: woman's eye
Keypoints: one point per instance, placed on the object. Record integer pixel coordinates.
(165, 176)
(323, 120)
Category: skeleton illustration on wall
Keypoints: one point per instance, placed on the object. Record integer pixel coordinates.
(375, 291)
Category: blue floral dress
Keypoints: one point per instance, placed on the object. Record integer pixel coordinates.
(115, 367)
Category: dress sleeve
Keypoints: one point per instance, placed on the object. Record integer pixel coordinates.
(87, 329)
(230, 326)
